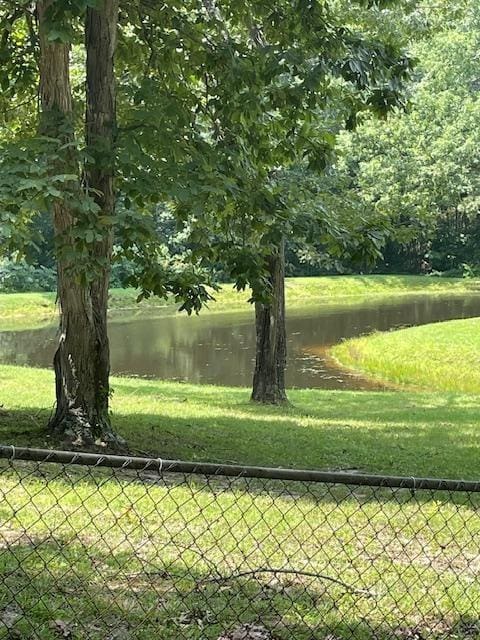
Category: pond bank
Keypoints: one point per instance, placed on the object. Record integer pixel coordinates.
(403, 433)
(218, 347)
(442, 356)
(30, 310)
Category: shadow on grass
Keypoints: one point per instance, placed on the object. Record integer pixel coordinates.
(427, 437)
(394, 434)
(53, 587)
(319, 404)
(375, 537)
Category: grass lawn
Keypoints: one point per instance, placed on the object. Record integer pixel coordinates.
(386, 432)
(129, 559)
(443, 356)
(28, 310)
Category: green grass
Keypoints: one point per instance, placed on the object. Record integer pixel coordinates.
(121, 552)
(443, 356)
(101, 540)
(28, 310)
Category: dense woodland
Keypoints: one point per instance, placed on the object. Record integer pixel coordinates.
(172, 147)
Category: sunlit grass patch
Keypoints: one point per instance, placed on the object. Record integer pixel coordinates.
(441, 356)
(402, 433)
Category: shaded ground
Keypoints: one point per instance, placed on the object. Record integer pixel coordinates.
(92, 554)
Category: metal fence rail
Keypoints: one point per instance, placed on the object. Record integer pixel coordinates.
(109, 547)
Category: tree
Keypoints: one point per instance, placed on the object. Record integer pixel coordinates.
(22, 180)
(82, 359)
(261, 89)
(79, 195)
(271, 335)
(76, 186)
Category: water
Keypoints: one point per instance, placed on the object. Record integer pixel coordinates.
(220, 348)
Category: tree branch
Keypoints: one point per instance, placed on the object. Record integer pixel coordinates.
(308, 574)
(256, 572)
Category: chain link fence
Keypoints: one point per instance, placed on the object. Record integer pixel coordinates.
(108, 547)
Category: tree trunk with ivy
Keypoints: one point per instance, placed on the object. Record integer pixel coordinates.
(271, 341)
(81, 360)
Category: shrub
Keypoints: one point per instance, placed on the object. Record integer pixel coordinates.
(20, 276)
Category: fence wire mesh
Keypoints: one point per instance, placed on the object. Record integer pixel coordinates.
(153, 549)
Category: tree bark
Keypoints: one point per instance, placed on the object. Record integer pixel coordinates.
(81, 360)
(271, 347)
(100, 43)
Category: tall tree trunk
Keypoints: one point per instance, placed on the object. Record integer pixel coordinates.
(81, 360)
(100, 42)
(271, 351)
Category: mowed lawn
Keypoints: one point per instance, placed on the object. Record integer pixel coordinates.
(380, 432)
(92, 555)
(443, 356)
(142, 556)
(138, 557)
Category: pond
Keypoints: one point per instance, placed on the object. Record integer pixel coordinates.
(220, 348)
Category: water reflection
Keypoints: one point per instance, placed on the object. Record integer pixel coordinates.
(220, 348)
